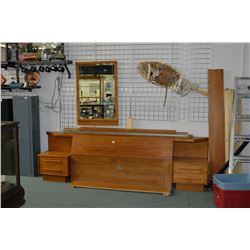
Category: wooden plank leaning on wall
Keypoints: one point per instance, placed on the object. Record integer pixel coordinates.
(216, 118)
(229, 97)
(228, 100)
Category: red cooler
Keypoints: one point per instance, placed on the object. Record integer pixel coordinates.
(231, 190)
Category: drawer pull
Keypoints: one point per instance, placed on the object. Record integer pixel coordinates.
(113, 142)
(119, 168)
(53, 161)
(56, 170)
(189, 169)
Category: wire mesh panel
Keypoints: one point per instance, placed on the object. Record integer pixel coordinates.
(138, 98)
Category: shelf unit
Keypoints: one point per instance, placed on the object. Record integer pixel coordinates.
(6, 87)
(17, 65)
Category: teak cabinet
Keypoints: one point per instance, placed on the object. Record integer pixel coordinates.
(54, 166)
(122, 159)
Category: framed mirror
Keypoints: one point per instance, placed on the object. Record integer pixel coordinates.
(97, 93)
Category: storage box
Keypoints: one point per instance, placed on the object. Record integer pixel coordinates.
(231, 190)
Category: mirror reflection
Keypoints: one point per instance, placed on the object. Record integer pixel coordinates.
(97, 93)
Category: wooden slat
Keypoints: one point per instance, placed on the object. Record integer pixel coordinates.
(216, 119)
(55, 154)
(133, 130)
(228, 101)
(193, 139)
(229, 96)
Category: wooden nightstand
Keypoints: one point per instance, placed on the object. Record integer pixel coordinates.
(54, 166)
(190, 174)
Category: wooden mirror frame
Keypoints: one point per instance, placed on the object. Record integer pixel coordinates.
(107, 122)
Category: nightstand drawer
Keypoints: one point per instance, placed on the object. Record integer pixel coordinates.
(53, 165)
(190, 178)
(190, 169)
(191, 173)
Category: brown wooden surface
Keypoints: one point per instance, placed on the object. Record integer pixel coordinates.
(190, 139)
(100, 155)
(191, 164)
(103, 122)
(190, 187)
(54, 164)
(187, 149)
(49, 165)
(228, 101)
(69, 132)
(60, 134)
(133, 130)
(129, 146)
(153, 175)
(136, 163)
(190, 173)
(55, 178)
(107, 122)
(191, 160)
(216, 117)
(59, 142)
(55, 154)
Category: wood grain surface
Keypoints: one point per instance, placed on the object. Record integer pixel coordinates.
(216, 117)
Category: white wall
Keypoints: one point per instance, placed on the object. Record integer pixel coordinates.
(224, 55)
(197, 129)
(230, 57)
(246, 65)
(49, 120)
(187, 113)
(234, 58)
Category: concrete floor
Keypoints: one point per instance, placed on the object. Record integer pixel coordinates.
(39, 193)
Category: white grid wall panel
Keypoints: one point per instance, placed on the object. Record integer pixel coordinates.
(146, 100)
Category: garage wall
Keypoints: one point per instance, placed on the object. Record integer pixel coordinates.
(234, 58)
(49, 120)
(146, 100)
(227, 56)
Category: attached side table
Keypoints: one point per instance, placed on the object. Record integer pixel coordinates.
(54, 166)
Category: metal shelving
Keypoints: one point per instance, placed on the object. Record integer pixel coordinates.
(242, 91)
(17, 65)
(6, 87)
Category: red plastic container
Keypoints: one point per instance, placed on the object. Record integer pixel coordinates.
(231, 198)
